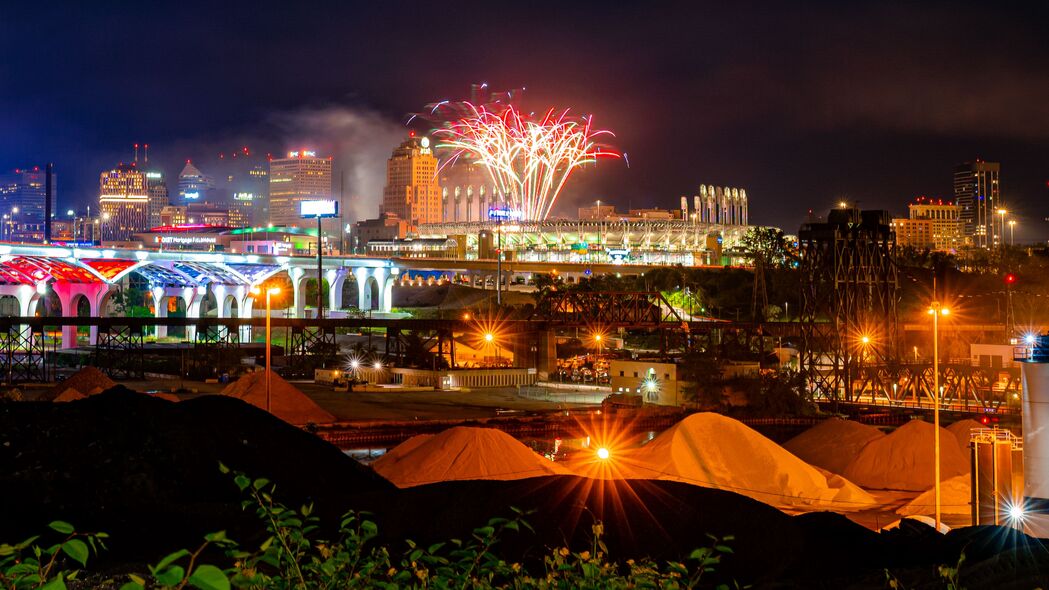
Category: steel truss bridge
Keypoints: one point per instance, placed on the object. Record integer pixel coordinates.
(122, 349)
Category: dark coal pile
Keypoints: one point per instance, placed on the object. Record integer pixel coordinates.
(146, 470)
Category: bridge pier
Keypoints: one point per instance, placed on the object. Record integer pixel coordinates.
(68, 294)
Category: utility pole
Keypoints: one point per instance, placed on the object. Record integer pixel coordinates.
(499, 263)
(320, 272)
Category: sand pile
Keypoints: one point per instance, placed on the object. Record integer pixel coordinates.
(286, 402)
(832, 444)
(712, 450)
(463, 453)
(69, 395)
(88, 381)
(962, 430)
(954, 499)
(903, 460)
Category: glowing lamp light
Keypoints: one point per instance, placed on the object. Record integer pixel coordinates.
(603, 454)
(377, 366)
(597, 337)
(865, 339)
(489, 337)
(355, 364)
(1029, 339)
(273, 290)
(466, 316)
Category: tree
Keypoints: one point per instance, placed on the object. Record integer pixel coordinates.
(769, 247)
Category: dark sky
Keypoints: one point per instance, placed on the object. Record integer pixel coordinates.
(800, 103)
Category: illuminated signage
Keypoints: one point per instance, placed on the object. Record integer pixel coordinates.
(326, 208)
(154, 175)
(504, 214)
(193, 195)
(185, 240)
(244, 196)
(302, 154)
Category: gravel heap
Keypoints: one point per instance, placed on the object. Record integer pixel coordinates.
(903, 460)
(833, 443)
(463, 453)
(286, 401)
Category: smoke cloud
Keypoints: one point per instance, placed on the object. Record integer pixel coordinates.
(359, 139)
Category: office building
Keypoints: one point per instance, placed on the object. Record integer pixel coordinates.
(977, 192)
(302, 176)
(945, 222)
(158, 195)
(22, 195)
(172, 215)
(411, 192)
(193, 185)
(123, 203)
(242, 209)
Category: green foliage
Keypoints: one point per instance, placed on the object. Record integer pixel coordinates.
(768, 247)
(30, 565)
(294, 557)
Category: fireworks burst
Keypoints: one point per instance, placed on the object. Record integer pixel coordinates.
(529, 159)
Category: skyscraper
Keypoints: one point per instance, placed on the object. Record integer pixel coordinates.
(123, 202)
(302, 176)
(23, 190)
(193, 185)
(411, 190)
(976, 191)
(158, 196)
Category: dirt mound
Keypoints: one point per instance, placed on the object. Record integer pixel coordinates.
(954, 499)
(903, 460)
(88, 381)
(832, 444)
(286, 401)
(69, 395)
(713, 450)
(962, 430)
(463, 453)
(132, 465)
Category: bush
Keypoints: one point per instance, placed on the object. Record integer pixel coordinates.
(292, 557)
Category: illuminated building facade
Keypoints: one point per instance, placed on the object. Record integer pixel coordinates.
(467, 192)
(411, 192)
(242, 209)
(914, 233)
(977, 192)
(123, 202)
(158, 195)
(193, 185)
(302, 176)
(720, 205)
(172, 215)
(945, 227)
(22, 195)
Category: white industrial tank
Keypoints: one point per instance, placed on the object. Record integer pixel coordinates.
(1035, 373)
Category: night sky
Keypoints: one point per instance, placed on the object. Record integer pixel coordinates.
(802, 104)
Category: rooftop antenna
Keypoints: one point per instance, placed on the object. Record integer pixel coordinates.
(136, 153)
(147, 153)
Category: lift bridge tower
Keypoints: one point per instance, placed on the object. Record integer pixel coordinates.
(850, 291)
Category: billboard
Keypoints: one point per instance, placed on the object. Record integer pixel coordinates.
(323, 208)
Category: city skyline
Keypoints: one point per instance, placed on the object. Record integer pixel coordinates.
(804, 108)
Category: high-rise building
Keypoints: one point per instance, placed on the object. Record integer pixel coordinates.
(158, 196)
(123, 202)
(945, 221)
(22, 195)
(977, 192)
(242, 209)
(302, 176)
(411, 192)
(193, 185)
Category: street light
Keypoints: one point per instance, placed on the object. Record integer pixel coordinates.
(256, 291)
(936, 309)
(1012, 227)
(1001, 215)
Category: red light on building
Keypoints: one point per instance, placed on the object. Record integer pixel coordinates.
(1010, 279)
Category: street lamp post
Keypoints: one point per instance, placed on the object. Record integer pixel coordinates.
(269, 368)
(1012, 227)
(936, 309)
(1001, 219)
